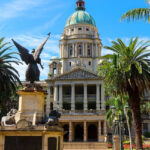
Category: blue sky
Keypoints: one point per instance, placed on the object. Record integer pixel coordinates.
(28, 22)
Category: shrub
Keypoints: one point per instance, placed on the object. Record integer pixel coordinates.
(147, 134)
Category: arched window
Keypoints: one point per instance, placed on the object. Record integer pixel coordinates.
(79, 50)
(89, 50)
(70, 50)
(70, 64)
(89, 63)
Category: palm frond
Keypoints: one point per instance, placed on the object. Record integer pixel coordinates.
(136, 14)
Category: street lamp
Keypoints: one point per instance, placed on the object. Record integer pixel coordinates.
(113, 108)
(119, 120)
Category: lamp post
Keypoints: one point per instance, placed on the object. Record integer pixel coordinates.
(120, 132)
(119, 120)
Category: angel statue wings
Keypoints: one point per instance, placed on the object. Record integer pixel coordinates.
(32, 72)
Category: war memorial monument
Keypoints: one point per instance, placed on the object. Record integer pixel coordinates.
(27, 128)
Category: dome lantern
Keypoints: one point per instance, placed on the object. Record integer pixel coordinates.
(80, 16)
(80, 5)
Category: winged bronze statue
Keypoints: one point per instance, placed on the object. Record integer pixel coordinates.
(32, 72)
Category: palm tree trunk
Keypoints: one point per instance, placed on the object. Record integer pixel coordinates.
(134, 101)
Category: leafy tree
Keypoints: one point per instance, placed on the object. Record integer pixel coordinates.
(137, 13)
(9, 77)
(128, 71)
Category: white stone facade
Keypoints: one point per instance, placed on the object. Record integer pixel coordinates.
(79, 45)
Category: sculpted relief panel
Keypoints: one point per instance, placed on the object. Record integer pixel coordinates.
(80, 74)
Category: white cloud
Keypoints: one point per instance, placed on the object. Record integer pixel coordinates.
(106, 51)
(21, 68)
(15, 8)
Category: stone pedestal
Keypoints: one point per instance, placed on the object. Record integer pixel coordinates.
(46, 137)
(31, 104)
(116, 142)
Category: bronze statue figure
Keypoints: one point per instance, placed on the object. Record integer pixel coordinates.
(32, 72)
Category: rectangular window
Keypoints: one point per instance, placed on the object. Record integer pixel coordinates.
(79, 29)
(89, 52)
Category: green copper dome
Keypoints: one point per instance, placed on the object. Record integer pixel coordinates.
(80, 16)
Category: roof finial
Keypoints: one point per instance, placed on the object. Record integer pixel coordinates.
(80, 5)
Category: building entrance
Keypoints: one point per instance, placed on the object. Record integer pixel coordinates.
(92, 133)
(78, 133)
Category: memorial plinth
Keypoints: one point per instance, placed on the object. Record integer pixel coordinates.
(30, 130)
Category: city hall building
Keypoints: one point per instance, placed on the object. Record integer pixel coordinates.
(73, 86)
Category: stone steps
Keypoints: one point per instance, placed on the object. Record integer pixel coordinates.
(85, 146)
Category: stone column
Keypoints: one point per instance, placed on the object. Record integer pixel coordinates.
(99, 131)
(73, 50)
(76, 50)
(63, 51)
(102, 97)
(97, 97)
(85, 98)
(86, 45)
(2, 142)
(105, 128)
(44, 142)
(96, 52)
(60, 97)
(73, 97)
(48, 101)
(70, 131)
(67, 53)
(55, 97)
(85, 131)
(92, 51)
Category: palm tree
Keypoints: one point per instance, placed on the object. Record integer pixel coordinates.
(128, 71)
(137, 13)
(120, 103)
(9, 77)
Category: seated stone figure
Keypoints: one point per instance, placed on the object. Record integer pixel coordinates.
(9, 120)
(53, 119)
